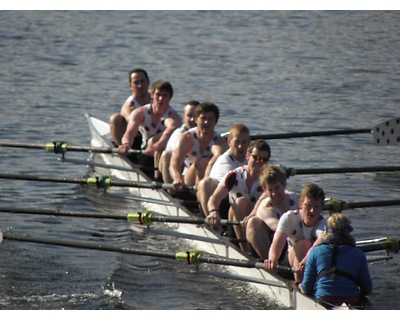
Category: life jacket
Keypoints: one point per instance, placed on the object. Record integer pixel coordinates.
(332, 271)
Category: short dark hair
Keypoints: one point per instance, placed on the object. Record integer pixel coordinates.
(162, 85)
(206, 107)
(260, 145)
(192, 103)
(137, 70)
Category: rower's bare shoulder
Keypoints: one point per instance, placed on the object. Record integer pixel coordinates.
(127, 109)
(137, 114)
(185, 140)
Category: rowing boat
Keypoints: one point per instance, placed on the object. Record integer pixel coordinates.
(197, 237)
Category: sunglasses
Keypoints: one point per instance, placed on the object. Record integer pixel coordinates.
(259, 159)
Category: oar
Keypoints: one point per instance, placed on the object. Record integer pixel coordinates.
(194, 257)
(105, 165)
(146, 217)
(384, 133)
(334, 205)
(378, 258)
(99, 182)
(63, 147)
(191, 257)
(292, 171)
(388, 244)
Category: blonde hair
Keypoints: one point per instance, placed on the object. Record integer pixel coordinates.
(339, 224)
(272, 174)
(312, 191)
(237, 129)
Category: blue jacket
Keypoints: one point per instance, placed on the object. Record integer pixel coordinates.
(349, 259)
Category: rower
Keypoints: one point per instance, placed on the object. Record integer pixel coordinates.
(261, 224)
(234, 157)
(155, 121)
(188, 123)
(243, 187)
(300, 229)
(139, 84)
(198, 149)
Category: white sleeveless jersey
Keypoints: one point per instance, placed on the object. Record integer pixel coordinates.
(173, 139)
(225, 163)
(147, 128)
(195, 152)
(235, 182)
(291, 224)
(293, 201)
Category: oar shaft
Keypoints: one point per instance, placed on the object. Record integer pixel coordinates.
(334, 205)
(27, 177)
(368, 204)
(380, 258)
(148, 217)
(293, 171)
(100, 182)
(389, 244)
(63, 147)
(308, 134)
(143, 217)
(194, 257)
(62, 213)
(86, 245)
(11, 144)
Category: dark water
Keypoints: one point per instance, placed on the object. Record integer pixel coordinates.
(276, 71)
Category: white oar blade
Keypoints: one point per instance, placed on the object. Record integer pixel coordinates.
(387, 132)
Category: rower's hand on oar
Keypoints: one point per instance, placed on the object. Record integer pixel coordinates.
(178, 185)
(270, 265)
(150, 150)
(214, 220)
(300, 268)
(245, 220)
(123, 148)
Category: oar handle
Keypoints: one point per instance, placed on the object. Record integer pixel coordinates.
(260, 265)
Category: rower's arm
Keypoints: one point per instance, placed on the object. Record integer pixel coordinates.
(135, 119)
(257, 205)
(277, 246)
(213, 216)
(178, 157)
(219, 147)
(216, 198)
(269, 216)
(173, 122)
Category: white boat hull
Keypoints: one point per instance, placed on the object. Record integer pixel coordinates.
(198, 237)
